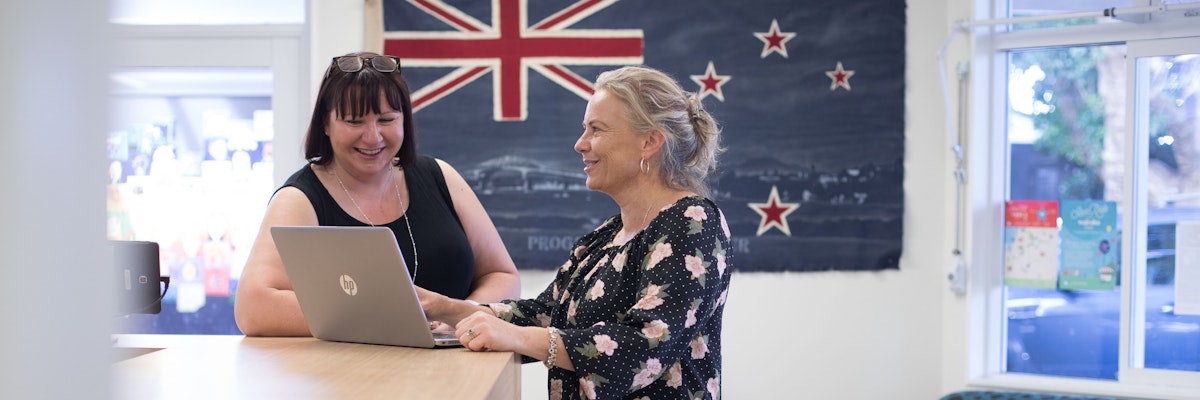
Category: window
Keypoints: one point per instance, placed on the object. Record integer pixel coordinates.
(204, 125)
(1091, 123)
(190, 166)
(1057, 135)
(1165, 334)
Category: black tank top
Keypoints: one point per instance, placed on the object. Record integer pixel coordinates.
(445, 262)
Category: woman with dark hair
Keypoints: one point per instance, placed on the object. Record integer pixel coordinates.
(364, 170)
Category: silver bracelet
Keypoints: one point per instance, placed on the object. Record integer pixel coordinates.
(549, 363)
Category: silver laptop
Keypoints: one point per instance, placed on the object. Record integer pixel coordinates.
(353, 286)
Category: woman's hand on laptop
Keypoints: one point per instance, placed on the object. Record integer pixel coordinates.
(433, 304)
(441, 308)
(484, 332)
(439, 326)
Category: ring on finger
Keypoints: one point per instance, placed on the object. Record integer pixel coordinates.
(471, 333)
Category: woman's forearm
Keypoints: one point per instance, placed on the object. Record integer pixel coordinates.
(495, 286)
(272, 312)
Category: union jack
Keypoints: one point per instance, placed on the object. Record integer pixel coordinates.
(510, 47)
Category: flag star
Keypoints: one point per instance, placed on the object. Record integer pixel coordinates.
(840, 77)
(774, 41)
(774, 213)
(710, 82)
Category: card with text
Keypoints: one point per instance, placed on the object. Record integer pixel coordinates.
(1031, 243)
(1090, 245)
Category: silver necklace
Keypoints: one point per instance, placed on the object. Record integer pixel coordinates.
(630, 235)
(396, 186)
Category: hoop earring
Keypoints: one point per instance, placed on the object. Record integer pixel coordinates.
(644, 166)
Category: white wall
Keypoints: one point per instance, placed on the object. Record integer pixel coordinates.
(336, 28)
(54, 295)
(831, 335)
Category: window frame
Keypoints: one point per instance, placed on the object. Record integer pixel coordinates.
(988, 165)
(1135, 253)
(282, 48)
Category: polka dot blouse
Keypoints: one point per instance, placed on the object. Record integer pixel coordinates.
(641, 320)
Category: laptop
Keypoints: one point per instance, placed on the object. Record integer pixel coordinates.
(353, 286)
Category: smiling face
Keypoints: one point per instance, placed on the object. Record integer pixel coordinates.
(366, 143)
(610, 146)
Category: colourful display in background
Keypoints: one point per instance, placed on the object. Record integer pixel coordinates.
(198, 188)
(1090, 245)
(1031, 243)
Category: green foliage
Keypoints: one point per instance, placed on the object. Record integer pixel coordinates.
(1172, 83)
(1073, 125)
(1082, 183)
(1070, 112)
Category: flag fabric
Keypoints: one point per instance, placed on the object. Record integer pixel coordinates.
(810, 97)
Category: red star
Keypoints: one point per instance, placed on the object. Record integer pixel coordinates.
(840, 76)
(774, 41)
(774, 213)
(710, 82)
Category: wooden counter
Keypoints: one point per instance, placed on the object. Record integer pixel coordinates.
(239, 367)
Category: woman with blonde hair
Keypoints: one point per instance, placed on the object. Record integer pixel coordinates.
(635, 311)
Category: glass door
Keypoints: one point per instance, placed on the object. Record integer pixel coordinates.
(195, 152)
(191, 156)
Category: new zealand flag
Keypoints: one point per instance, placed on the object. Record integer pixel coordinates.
(810, 95)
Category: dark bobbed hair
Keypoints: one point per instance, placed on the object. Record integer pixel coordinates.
(355, 94)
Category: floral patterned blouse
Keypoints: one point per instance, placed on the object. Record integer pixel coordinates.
(641, 320)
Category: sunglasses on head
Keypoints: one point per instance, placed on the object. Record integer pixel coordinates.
(356, 63)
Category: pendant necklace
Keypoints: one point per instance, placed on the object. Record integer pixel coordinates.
(626, 237)
(396, 186)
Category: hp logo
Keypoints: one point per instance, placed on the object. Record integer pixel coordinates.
(348, 285)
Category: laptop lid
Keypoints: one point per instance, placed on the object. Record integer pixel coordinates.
(353, 285)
